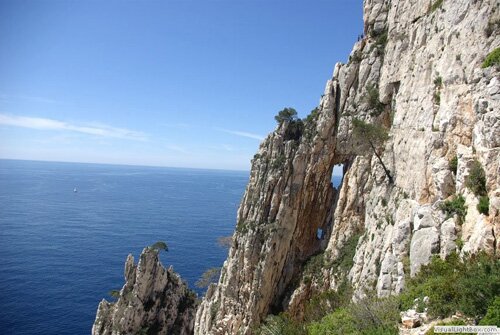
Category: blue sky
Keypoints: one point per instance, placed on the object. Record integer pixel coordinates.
(164, 83)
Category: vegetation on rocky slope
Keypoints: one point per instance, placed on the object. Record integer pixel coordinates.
(470, 286)
(374, 136)
(452, 285)
(455, 206)
(493, 58)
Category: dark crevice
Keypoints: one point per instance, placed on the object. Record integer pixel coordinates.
(416, 19)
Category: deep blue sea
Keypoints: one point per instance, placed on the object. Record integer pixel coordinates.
(61, 252)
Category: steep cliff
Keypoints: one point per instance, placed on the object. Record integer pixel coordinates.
(417, 73)
(154, 300)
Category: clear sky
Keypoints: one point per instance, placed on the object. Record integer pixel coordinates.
(165, 83)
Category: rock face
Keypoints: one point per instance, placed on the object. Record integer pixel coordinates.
(154, 300)
(417, 73)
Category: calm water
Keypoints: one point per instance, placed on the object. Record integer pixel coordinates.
(61, 252)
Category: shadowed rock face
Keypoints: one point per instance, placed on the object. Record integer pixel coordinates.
(417, 72)
(154, 300)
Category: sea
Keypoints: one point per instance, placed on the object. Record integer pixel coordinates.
(67, 228)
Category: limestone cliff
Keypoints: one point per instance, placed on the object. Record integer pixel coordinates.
(154, 300)
(417, 73)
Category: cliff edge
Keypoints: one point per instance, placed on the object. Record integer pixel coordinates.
(417, 73)
(428, 186)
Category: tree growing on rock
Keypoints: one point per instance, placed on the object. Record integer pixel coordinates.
(160, 245)
(295, 126)
(373, 136)
(286, 114)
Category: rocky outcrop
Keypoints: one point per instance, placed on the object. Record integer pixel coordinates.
(288, 198)
(154, 300)
(417, 73)
(432, 84)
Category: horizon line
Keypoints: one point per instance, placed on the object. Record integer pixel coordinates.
(120, 164)
(131, 165)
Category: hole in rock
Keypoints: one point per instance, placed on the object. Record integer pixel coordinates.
(337, 174)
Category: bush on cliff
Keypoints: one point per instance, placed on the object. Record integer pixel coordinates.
(453, 165)
(372, 136)
(492, 317)
(456, 205)
(324, 303)
(435, 5)
(370, 316)
(373, 100)
(483, 206)
(476, 181)
(470, 286)
(280, 325)
(452, 285)
(493, 58)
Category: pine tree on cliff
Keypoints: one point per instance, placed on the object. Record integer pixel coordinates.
(374, 136)
(286, 114)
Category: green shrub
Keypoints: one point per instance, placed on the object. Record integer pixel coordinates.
(381, 39)
(321, 304)
(345, 259)
(493, 58)
(476, 181)
(214, 308)
(310, 124)
(435, 5)
(372, 99)
(437, 97)
(453, 164)
(484, 205)
(455, 206)
(438, 81)
(339, 322)
(371, 136)
(370, 316)
(280, 324)
(313, 116)
(314, 267)
(492, 317)
(468, 286)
